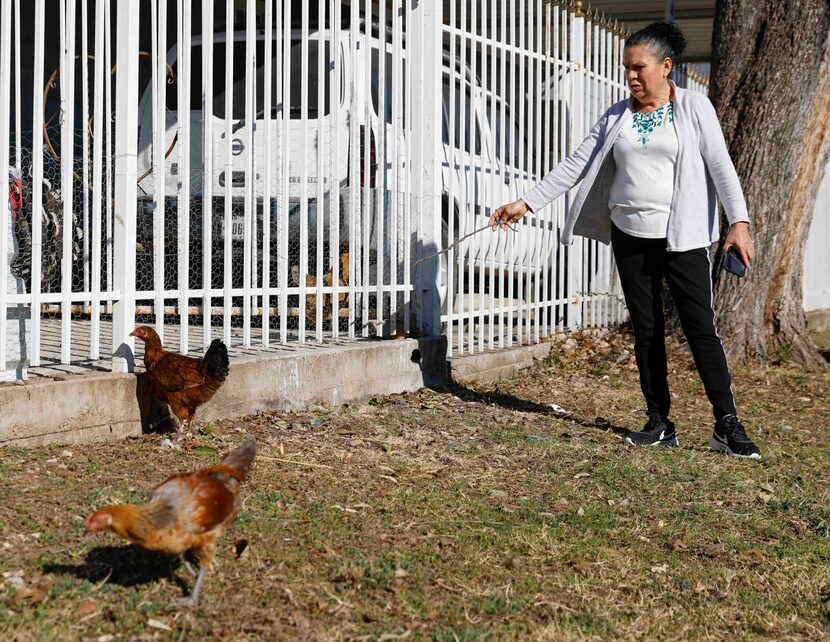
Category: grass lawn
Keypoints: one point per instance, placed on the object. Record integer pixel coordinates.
(471, 514)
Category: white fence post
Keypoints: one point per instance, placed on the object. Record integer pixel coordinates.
(5, 210)
(126, 130)
(426, 172)
(579, 105)
(37, 174)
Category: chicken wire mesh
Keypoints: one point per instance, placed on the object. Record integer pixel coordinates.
(175, 274)
(52, 221)
(344, 224)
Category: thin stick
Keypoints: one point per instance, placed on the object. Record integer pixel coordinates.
(291, 461)
(463, 238)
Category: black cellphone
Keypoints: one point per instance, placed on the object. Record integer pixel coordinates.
(733, 264)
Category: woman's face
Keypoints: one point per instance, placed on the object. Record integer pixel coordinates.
(645, 74)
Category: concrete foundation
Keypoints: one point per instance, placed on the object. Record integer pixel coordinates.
(104, 406)
(108, 406)
(489, 367)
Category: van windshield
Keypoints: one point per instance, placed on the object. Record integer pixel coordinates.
(238, 87)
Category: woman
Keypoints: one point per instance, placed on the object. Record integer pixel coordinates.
(651, 169)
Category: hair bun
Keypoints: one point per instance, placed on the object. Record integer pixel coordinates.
(670, 33)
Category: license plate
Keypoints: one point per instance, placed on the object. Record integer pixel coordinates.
(237, 228)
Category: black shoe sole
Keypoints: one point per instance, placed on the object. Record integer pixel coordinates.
(720, 447)
(670, 441)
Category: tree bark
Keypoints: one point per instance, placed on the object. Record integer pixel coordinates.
(771, 88)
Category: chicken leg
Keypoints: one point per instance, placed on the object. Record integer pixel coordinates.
(189, 568)
(191, 599)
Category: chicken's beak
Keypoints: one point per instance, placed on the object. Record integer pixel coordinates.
(132, 334)
(98, 522)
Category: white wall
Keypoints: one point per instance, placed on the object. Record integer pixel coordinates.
(816, 284)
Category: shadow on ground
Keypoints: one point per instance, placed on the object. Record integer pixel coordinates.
(509, 402)
(123, 565)
(155, 416)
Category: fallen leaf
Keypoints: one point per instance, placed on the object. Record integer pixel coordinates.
(581, 475)
(662, 568)
(516, 563)
(14, 579)
(559, 410)
(757, 553)
(401, 573)
(580, 565)
(213, 429)
(156, 624)
(32, 594)
(205, 450)
(580, 511)
(86, 607)
(445, 542)
(765, 497)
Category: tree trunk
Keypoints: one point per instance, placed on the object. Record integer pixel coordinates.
(771, 88)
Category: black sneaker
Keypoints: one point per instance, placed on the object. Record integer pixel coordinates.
(656, 432)
(730, 437)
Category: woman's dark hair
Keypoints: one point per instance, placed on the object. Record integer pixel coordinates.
(664, 39)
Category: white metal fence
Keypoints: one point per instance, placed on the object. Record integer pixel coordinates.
(540, 75)
(271, 172)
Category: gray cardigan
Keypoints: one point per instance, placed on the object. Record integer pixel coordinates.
(703, 171)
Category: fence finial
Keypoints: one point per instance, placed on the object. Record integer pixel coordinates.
(578, 7)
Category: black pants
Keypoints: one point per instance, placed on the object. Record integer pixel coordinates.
(643, 264)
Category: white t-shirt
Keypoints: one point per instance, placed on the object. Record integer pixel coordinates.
(645, 154)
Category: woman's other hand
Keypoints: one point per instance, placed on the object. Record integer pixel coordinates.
(739, 238)
(508, 214)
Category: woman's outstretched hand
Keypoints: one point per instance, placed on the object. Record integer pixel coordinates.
(506, 215)
(739, 238)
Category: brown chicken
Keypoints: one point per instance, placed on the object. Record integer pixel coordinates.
(183, 383)
(188, 512)
(328, 299)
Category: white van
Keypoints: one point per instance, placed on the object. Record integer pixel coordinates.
(482, 188)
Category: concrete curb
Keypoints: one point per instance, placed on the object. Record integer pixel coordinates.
(496, 365)
(107, 406)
